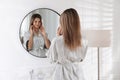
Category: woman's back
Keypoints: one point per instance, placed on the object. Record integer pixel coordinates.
(66, 61)
(66, 55)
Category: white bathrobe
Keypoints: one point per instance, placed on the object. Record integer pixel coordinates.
(38, 44)
(66, 61)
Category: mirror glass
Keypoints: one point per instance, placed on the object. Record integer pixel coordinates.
(37, 30)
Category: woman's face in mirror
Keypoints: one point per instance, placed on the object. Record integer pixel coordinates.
(37, 30)
(37, 23)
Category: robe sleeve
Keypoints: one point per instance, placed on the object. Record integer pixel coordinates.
(25, 39)
(52, 52)
(84, 49)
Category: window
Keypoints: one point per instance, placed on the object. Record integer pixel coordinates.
(96, 14)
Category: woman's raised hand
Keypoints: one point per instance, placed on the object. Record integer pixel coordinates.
(31, 31)
(43, 31)
(59, 31)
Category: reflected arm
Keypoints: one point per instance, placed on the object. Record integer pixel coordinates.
(30, 43)
(47, 42)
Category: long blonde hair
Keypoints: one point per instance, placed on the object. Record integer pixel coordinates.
(70, 23)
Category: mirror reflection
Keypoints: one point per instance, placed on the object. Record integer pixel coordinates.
(37, 30)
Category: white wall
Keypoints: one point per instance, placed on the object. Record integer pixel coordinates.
(13, 58)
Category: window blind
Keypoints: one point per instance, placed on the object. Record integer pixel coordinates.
(96, 14)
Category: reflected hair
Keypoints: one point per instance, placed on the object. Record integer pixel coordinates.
(33, 18)
(70, 23)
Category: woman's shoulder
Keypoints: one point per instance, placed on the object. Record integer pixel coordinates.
(58, 39)
(84, 42)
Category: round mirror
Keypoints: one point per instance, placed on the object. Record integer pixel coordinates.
(37, 30)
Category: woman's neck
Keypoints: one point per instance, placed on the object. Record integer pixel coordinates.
(36, 30)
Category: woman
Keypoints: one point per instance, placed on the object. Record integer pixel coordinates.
(36, 39)
(68, 50)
